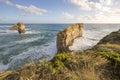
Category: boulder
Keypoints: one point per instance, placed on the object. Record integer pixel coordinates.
(21, 27)
(65, 38)
(15, 27)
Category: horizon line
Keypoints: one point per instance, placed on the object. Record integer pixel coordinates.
(63, 23)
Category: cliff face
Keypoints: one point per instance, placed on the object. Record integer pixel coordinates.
(113, 38)
(65, 38)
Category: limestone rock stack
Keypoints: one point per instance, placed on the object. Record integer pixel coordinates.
(19, 26)
(65, 38)
(15, 27)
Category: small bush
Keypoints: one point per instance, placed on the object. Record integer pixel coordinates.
(63, 57)
(58, 61)
(110, 55)
(56, 65)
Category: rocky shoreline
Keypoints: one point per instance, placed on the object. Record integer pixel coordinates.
(102, 62)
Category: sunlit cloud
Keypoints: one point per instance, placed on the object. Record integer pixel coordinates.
(28, 9)
(31, 9)
(104, 10)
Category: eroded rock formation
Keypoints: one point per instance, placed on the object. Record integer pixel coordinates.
(15, 27)
(19, 26)
(65, 38)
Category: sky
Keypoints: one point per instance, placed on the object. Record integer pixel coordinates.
(60, 11)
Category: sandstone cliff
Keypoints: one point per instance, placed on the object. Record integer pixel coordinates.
(65, 38)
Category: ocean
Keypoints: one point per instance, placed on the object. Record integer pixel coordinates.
(39, 42)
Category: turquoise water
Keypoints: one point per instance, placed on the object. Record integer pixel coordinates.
(39, 42)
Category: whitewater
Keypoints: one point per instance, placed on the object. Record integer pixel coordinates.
(39, 42)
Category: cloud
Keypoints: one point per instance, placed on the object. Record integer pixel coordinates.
(31, 9)
(28, 9)
(103, 10)
(89, 5)
(7, 2)
(67, 15)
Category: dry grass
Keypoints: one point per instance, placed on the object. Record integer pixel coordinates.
(81, 67)
(100, 63)
(89, 65)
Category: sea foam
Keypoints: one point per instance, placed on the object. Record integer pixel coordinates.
(35, 53)
(3, 67)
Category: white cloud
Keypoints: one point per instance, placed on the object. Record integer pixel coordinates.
(28, 9)
(7, 2)
(31, 9)
(90, 5)
(67, 15)
(104, 10)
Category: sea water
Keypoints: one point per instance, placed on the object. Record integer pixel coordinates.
(39, 42)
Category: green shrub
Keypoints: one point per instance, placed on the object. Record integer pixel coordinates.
(58, 61)
(109, 48)
(63, 57)
(110, 55)
(56, 65)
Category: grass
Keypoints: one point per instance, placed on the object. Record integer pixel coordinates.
(110, 51)
(65, 66)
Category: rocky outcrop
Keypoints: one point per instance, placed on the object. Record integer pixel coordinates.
(19, 26)
(15, 27)
(65, 38)
(113, 38)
